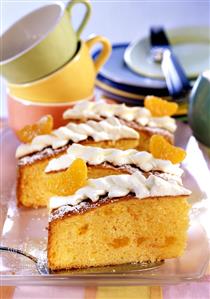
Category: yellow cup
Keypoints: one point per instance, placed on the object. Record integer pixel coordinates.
(74, 81)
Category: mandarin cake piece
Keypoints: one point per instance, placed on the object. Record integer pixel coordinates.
(110, 129)
(33, 157)
(118, 219)
(60, 173)
(138, 118)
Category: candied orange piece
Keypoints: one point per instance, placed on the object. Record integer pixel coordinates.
(160, 148)
(67, 182)
(43, 126)
(159, 107)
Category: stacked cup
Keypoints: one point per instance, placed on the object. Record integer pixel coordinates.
(46, 64)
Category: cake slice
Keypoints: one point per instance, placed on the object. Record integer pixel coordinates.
(118, 219)
(146, 122)
(100, 162)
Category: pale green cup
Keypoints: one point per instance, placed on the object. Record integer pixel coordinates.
(40, 42)
(199, 108)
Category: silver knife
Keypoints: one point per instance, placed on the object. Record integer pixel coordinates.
(161, 51)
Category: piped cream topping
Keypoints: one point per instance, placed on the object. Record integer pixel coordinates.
(121, 185)
(95, 156)
(141, 115)
(107, 129)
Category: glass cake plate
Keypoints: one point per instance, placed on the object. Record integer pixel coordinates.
(25, 229)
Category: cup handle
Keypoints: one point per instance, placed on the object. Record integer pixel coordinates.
(86, 16)
(105, 51)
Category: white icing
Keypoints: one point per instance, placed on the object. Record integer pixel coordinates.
(108, 129)
(122, 185)
(141, 115)
(95, 156)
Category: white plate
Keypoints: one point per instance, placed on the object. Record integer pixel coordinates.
(190, 44)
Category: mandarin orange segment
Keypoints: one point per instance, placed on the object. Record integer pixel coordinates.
(43, 126)
(67, 182)
(159, 107)
(160, 148)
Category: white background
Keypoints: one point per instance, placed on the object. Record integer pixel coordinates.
(118, 20)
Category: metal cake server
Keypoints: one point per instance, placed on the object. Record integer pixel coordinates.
(161, 52)
(41, 265)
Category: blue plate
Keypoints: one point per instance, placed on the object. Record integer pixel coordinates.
(115, 73)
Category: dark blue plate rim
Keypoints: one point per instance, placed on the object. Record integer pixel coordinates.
(133, 89)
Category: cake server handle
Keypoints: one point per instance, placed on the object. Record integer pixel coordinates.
(41, 268)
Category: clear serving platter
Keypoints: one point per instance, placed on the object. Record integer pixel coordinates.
(25, 229)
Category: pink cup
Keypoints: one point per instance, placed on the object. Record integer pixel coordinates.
(22, 112)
